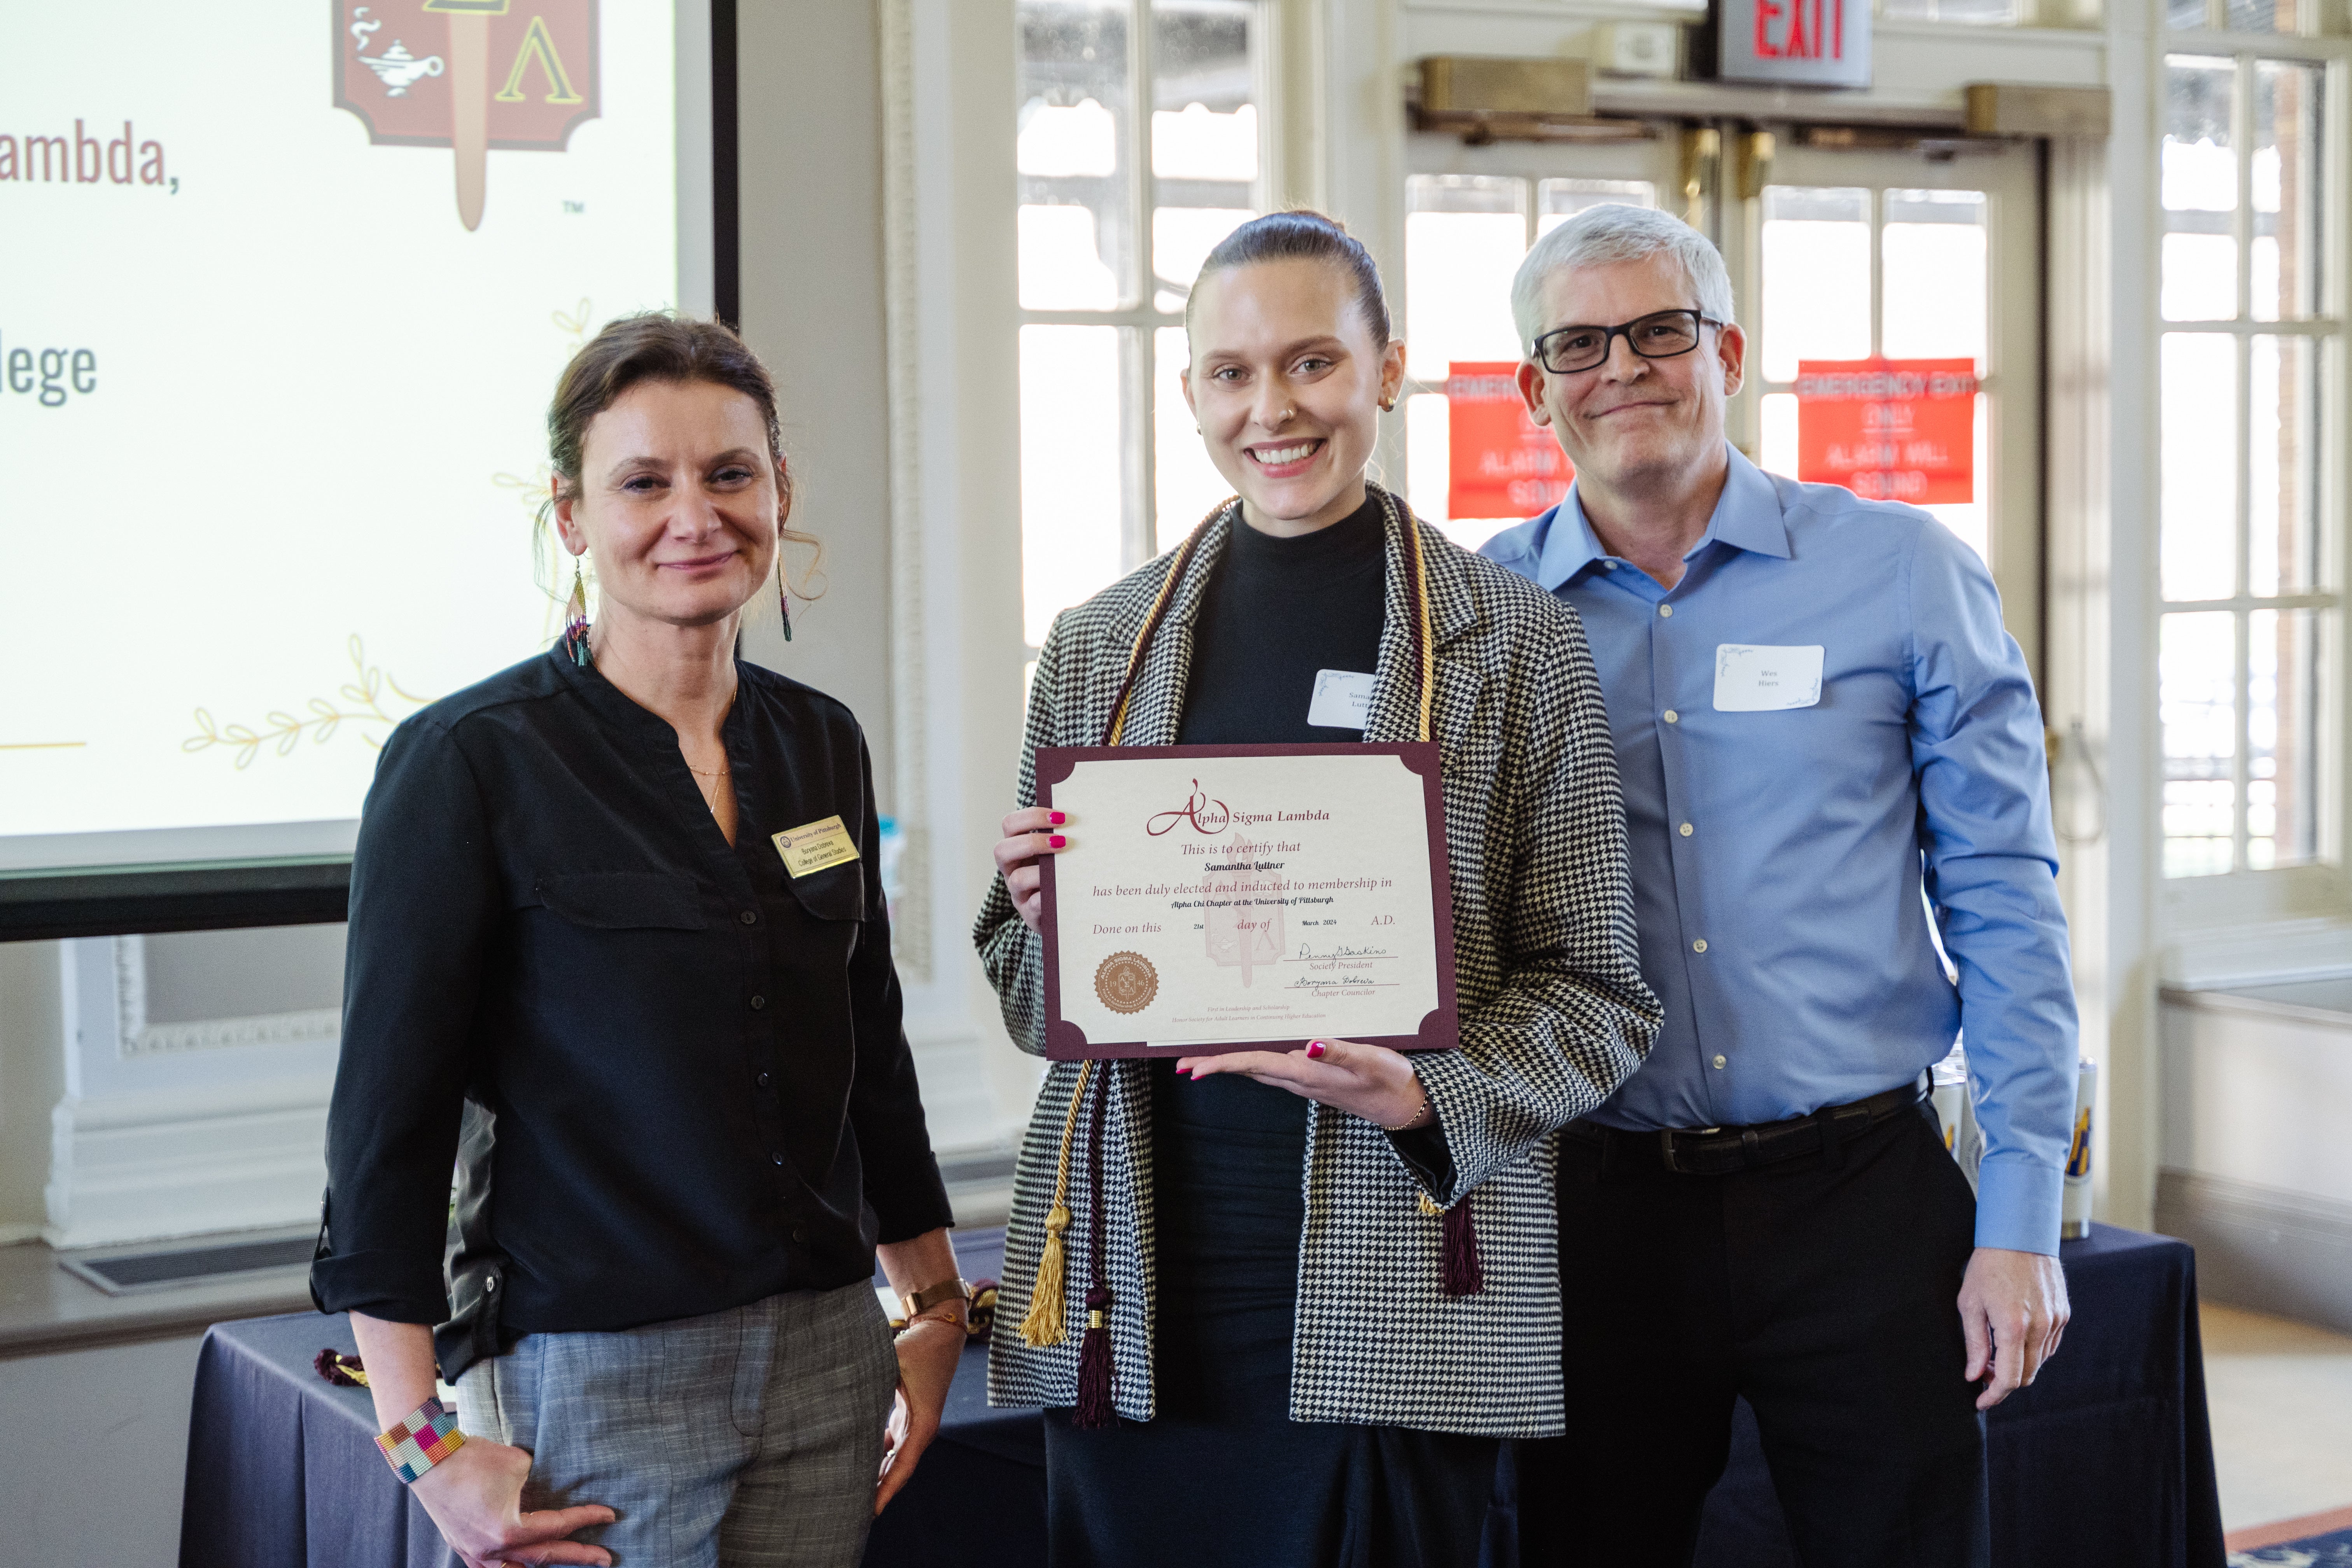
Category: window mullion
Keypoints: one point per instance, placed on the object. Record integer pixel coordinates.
(2241, 764)
(2242, 220)
(1140, 95)
(2242, 226)
(1137, 464)
(1877, 272)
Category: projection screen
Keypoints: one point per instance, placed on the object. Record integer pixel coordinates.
(287, 287)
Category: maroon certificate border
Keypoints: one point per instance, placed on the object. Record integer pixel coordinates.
(1440, 1028)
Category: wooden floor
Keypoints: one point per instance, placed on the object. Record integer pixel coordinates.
(2281, 1394)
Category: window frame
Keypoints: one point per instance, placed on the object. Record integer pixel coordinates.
(1648, 157)
(2194, 904)
(1141, 322)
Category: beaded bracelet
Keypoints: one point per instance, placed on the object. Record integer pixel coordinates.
(420, 1440)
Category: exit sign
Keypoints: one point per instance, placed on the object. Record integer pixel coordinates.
(1803, 43)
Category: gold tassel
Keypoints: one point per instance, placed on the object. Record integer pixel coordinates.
(1429, 1207)
(1044, 1325)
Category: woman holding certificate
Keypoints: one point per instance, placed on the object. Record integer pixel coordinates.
(1287, 1302)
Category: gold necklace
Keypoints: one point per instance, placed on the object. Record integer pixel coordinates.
(700, 773)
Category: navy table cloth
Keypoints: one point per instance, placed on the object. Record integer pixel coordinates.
(2106, 1459)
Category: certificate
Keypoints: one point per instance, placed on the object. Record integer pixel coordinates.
(1232, 897)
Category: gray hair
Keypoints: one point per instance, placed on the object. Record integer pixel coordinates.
(1614, 232)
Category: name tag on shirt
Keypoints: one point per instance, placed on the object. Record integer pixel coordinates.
(814, 846)
(1752, 678)
(1343, 700)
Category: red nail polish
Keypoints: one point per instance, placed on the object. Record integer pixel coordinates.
(1315, 1049)
(1060, 818)
(1058, 841)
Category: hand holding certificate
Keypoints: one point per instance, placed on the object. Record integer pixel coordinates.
(1234, 897)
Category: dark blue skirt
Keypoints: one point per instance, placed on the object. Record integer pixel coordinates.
(1222, 1474)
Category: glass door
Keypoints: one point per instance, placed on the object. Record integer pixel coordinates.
(1893, 295)
(1920, 264)
(1471, 212)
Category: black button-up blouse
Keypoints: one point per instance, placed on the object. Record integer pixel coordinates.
(679, 1069)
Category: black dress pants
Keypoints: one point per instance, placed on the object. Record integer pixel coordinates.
(1823, 1289)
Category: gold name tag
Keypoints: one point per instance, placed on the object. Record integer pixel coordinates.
(814, 846)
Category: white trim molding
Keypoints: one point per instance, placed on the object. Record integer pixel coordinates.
(185, 1162)
(2288, 1254)
(139, 1037)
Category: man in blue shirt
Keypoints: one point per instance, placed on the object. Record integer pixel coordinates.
(1816, 712)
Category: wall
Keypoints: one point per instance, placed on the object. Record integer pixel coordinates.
(99, 1475)
(903, 623)
(2256, 1172)
(32, 1078)
(175, 1085)
(810, 130)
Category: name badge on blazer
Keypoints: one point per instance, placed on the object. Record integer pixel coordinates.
(1753, 679)
(814, 846)
(1343, 700)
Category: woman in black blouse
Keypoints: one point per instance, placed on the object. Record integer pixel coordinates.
(618, 908)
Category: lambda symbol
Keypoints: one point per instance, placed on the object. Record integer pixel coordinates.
(420, 73)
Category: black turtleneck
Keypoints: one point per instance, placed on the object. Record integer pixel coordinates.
(1276, 611)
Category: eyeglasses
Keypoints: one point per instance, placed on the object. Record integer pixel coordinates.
(1662, 334)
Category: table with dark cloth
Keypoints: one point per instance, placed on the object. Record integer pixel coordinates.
(283, 1469)
(2106, 1459)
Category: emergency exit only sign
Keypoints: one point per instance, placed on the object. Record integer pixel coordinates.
(1797, 43)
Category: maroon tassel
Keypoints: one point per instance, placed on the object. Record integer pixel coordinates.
(1097, 1404)
(1458, 1271)
(1096, 1407)
(337, 1368)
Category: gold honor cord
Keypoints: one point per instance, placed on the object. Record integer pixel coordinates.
(1045, 1324)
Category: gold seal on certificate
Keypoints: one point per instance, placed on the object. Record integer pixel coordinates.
(1228, 897)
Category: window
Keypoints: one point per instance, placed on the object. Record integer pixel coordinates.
(1123, 194)
(1916, 288)
(2249, 368)
(1464, 238)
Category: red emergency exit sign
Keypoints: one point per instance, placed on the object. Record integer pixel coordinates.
(1805, 43)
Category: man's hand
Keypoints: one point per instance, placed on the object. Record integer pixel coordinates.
(475, 1496)
(1373, 1081)
(928, 1352)
(2013, 1312)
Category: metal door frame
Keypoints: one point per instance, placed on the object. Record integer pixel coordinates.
(1715, 177)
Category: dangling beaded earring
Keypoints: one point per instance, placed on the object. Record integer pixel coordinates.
(576, 624)
(783, 595)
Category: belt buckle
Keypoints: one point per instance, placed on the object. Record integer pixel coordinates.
(1666, 1147)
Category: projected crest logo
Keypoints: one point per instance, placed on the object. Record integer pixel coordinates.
(469, 75)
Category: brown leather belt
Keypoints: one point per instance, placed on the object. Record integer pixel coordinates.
(1721, 1151)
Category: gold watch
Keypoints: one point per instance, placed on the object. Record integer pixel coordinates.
(930, 1296)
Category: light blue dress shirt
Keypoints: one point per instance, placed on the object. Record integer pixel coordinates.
(1778, 857)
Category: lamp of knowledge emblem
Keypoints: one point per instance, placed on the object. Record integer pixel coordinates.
(469, 75)
(1127, 983)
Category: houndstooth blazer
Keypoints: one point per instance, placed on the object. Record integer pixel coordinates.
(1554, 1016)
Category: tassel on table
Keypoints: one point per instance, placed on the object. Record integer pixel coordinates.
(342, 1371)
(1096, 1379)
